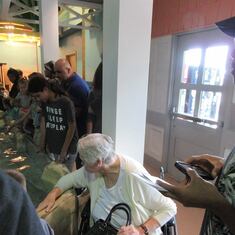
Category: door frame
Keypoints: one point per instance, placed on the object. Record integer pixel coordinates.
(171, 94)
(67, 56)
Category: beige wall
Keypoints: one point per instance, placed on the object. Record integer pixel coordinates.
(73, 44)
(20, 55)
(70, 45)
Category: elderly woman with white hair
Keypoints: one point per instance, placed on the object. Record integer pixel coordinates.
(111, 179)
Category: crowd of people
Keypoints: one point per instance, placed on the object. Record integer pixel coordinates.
(59, 104)
(62, 106)
(64, 109)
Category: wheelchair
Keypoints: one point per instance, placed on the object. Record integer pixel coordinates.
(169, 228)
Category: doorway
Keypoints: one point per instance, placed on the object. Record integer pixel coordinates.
(72, 59)
(199, 95)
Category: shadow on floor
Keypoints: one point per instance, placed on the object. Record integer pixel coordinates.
(188, 220)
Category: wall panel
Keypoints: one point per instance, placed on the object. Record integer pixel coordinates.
(174, 16)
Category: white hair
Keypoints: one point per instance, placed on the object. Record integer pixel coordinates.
(96, 146)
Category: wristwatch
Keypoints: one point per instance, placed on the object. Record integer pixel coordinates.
(146, 231)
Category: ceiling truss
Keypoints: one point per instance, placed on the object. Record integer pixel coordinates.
(27, 11)
(87, 23)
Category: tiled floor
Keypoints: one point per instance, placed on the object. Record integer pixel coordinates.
(188, 219)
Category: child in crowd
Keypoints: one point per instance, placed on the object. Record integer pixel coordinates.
(29, 122)
(14, 76)
(22, 104)
(58, 125)
(19, 177)
(23, 99)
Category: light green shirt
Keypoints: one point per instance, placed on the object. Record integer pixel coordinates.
(144, 200)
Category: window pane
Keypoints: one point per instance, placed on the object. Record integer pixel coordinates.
(209, 105)
(214, 68)
(186, 101)
(191, 62)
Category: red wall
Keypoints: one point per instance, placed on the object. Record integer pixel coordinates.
(173, 16)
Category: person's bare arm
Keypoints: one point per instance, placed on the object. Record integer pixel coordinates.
(68, 139)
(43, 134)
(50, 199)
(201, 194)
(78, 111)
(89, 126)
(211, 163)
(19, 121)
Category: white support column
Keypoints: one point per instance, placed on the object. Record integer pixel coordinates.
(4, 9)
(126, 53)
(49, 30)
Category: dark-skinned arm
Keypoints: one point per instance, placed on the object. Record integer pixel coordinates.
(190, 195)
(68, 139)
(43, 134)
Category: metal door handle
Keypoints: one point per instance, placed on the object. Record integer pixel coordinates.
(196, 119)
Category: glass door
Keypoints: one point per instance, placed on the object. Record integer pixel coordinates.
(201, 84)
(199, 95)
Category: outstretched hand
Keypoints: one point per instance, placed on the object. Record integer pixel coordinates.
(210, 163)
(194, 193)
(62, 157)
(47, 204)
(129, 230)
